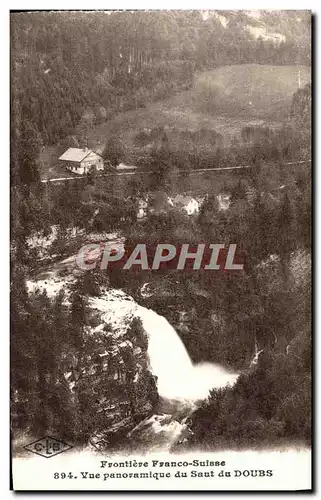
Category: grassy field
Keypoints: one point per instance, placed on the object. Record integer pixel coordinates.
(225, 100)
(249, 91)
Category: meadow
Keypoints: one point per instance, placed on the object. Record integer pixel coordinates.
(223, 100)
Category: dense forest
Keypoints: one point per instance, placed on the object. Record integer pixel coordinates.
(85, 67)
(72, 72)
(266, 310)
(35, 207)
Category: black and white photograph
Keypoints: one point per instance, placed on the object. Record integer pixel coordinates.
(160, 250)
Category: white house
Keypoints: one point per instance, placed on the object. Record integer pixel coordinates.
(186, 203)
(224, 201)
(142, 208)
(81, 161)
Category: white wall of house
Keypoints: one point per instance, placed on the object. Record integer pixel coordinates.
(92, 161)
(77, 168)
(142, 209)
(192, 207)
(224, 201)
(87, 164)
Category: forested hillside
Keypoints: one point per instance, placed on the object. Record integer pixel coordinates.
(84, 76)
(85, 67)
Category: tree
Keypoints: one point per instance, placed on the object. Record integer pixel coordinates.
(287, 239)
(26, 147)
(70, 141)
(161, 163)
(302, 118)
(114, 150)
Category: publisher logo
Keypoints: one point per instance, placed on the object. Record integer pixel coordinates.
(47, 447)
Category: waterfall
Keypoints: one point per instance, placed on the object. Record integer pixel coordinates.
(177, 376)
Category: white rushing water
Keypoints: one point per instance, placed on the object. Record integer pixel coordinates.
(180, 383)
(177, 376)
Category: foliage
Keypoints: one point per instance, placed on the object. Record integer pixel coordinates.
(78, 70)
(114, 151)
(90, 61)
(269, 404)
